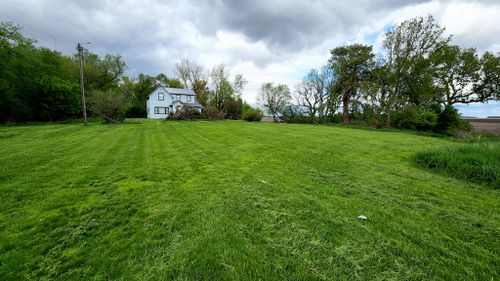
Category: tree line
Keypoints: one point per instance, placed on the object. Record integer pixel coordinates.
(412, 83)
(39, 84)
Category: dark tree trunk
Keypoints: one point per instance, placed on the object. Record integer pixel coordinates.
(388, 121)
(345, 108)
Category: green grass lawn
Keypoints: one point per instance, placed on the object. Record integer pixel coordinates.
(241, 201)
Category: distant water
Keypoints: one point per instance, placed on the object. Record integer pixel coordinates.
(479, 109)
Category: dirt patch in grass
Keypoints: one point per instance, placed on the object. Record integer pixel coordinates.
(486, 125)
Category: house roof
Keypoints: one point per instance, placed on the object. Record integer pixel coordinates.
(175, 91)
(179, 91)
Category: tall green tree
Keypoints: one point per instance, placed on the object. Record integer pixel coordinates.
(189, 73)
(219, 77)
(15, 63)
(164, 81)
(488, 87)
(311, 94)
(110, 105)
(233, 107)
(408, 71)
(407, 48)
(35, 83)
(222, 88)
(200, 87)
(456, 71)
(57, 99)
(274, 98)
(352, 64)
(100, 73)
(137, 90)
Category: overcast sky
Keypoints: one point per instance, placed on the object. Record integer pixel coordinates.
(264, 40)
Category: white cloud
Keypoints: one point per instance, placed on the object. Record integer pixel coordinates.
(473, 24)
(264, 40)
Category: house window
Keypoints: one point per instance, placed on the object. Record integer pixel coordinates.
(178, 97)
(189, 98)
(161, 110)
(161, 96)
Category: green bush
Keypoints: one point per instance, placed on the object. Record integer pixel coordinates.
(247, 107)
(294, 114)
(336, 118)
(211, 113)
(111, 106)
(58, 99)
(252, 116)
(448, 118)
(405, 119)
(415, 118)
(478, 162)
(374, 116)
(233, 108)
(186, 112)
(426, 121)
(136, 110)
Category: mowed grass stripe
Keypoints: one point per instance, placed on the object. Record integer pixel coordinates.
(233, 200)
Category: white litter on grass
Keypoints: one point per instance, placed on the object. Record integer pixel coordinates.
(362, 217)
(263, 181)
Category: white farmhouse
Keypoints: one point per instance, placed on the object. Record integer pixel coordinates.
(163, 101)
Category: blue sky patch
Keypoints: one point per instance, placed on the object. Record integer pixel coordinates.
(479, 109)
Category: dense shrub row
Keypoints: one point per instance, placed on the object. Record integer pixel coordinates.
(188, 112)
(443, 120)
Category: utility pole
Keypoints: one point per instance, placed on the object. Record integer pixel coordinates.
(82, 90)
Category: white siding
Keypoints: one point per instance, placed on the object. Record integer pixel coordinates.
(153, 102)
(184, 98)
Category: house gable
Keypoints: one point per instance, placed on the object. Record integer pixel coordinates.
(156, 96)
(158, 104)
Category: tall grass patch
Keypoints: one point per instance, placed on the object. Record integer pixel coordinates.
(477, 162)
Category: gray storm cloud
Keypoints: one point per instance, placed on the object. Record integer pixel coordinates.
(152, 35)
